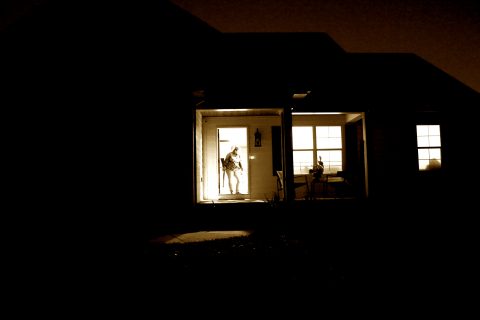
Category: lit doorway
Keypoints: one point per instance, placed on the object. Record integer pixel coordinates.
(227, 138)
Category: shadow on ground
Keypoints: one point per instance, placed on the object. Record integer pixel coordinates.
(371, 253)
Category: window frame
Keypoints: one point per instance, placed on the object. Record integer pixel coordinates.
(316, 150)
(435, 161)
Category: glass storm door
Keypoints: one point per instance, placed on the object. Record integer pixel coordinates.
(227, 139)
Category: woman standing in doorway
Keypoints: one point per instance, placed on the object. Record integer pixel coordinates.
(233, 165)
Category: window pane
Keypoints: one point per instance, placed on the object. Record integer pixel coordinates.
(332, 160)
(329, 132)
(422, 164)
(302, 137)
(324, 154)
(302, 161)
(435, 153)
(428, 136)
(329, 137)
(422, 131)
(336, 143)
(322, 143)
(335, 132)
(335, 156)
(322, 132)
(434, 141)
(422, 141)
(434, 130)
(423, 154)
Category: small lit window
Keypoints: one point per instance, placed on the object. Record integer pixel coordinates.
(429, 147)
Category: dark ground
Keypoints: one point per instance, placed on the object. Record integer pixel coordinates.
(299, 262)
(370, 258)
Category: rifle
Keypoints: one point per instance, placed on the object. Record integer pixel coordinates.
(223, 169)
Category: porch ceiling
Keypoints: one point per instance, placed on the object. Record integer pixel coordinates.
(240, 112)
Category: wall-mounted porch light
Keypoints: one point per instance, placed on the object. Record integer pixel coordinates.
(258, 139)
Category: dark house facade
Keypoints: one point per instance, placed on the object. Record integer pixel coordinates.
(382, 103)
(152, 99)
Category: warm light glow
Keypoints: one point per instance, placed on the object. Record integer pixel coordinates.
(230, 110)
(313, 113)
(201, 236)
(299, 95)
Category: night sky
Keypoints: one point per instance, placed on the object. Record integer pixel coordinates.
(445, 33)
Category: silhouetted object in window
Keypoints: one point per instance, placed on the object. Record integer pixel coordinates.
(233, 165)
(317, 173)
(318, 169)
(434, 164)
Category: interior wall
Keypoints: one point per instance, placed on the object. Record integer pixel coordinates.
(262, 182)
(319, 120)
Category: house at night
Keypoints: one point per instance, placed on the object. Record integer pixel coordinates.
(155, 98)
(382, 120)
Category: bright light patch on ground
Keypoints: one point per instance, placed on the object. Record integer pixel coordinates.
(201, 236)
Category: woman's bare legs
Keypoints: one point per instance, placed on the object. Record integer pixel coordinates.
(230, 177)
(238, 176)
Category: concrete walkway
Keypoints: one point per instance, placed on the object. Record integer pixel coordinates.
(200, 236)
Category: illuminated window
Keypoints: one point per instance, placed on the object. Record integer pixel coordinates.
(429, 147)
(303, 151)
(310, 142)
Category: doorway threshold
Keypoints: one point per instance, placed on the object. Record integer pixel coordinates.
(238, 200)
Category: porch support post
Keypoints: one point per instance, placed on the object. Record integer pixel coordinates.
(288, 154)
